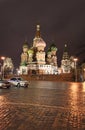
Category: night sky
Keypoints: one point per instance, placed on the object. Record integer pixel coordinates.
(62, 21)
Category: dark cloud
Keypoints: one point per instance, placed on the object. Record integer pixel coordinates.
(61, 21)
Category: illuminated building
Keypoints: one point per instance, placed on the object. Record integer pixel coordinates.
(34, 60)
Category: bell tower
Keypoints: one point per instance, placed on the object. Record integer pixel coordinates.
(65, 62)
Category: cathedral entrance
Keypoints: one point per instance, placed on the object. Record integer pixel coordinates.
(34, 72)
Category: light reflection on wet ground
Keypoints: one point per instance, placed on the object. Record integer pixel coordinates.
(63, 104)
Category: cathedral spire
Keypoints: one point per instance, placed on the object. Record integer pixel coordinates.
(37, 31)
(65, 53)
(65, 48)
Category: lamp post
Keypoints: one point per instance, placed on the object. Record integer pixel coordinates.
(75, 67)
(3, 58)
(0, 70)
(84, 74)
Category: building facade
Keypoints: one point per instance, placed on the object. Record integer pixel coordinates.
(34, 59)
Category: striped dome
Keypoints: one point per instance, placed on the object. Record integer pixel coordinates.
(40, 43)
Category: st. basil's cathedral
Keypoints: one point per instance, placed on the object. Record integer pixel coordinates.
(35, 60)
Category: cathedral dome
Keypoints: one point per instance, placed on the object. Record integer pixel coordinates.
(40, 43)
(30, 51)
(25, 44)
(53, 47)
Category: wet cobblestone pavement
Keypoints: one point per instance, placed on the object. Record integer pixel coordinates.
(43, 106)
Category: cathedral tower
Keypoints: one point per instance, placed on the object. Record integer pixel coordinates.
(65, 62)
(24, 55)
(39, 44)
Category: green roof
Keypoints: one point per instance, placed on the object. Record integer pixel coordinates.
(25, 44)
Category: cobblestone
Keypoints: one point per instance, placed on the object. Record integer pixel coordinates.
(43, 106)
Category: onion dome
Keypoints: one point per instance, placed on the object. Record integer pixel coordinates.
(30, 51)
(53, 47)
(40, 43)
(25, 44)
(49, 52)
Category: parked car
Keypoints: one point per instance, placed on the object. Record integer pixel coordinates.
(19, 82)
(4, 84)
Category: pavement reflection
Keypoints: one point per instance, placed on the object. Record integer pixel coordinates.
(45, 105)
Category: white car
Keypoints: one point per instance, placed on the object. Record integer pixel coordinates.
(19, 82)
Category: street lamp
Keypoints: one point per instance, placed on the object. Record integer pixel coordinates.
(84, 74)
(3, 58)
(75, 66)
(0, 69)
